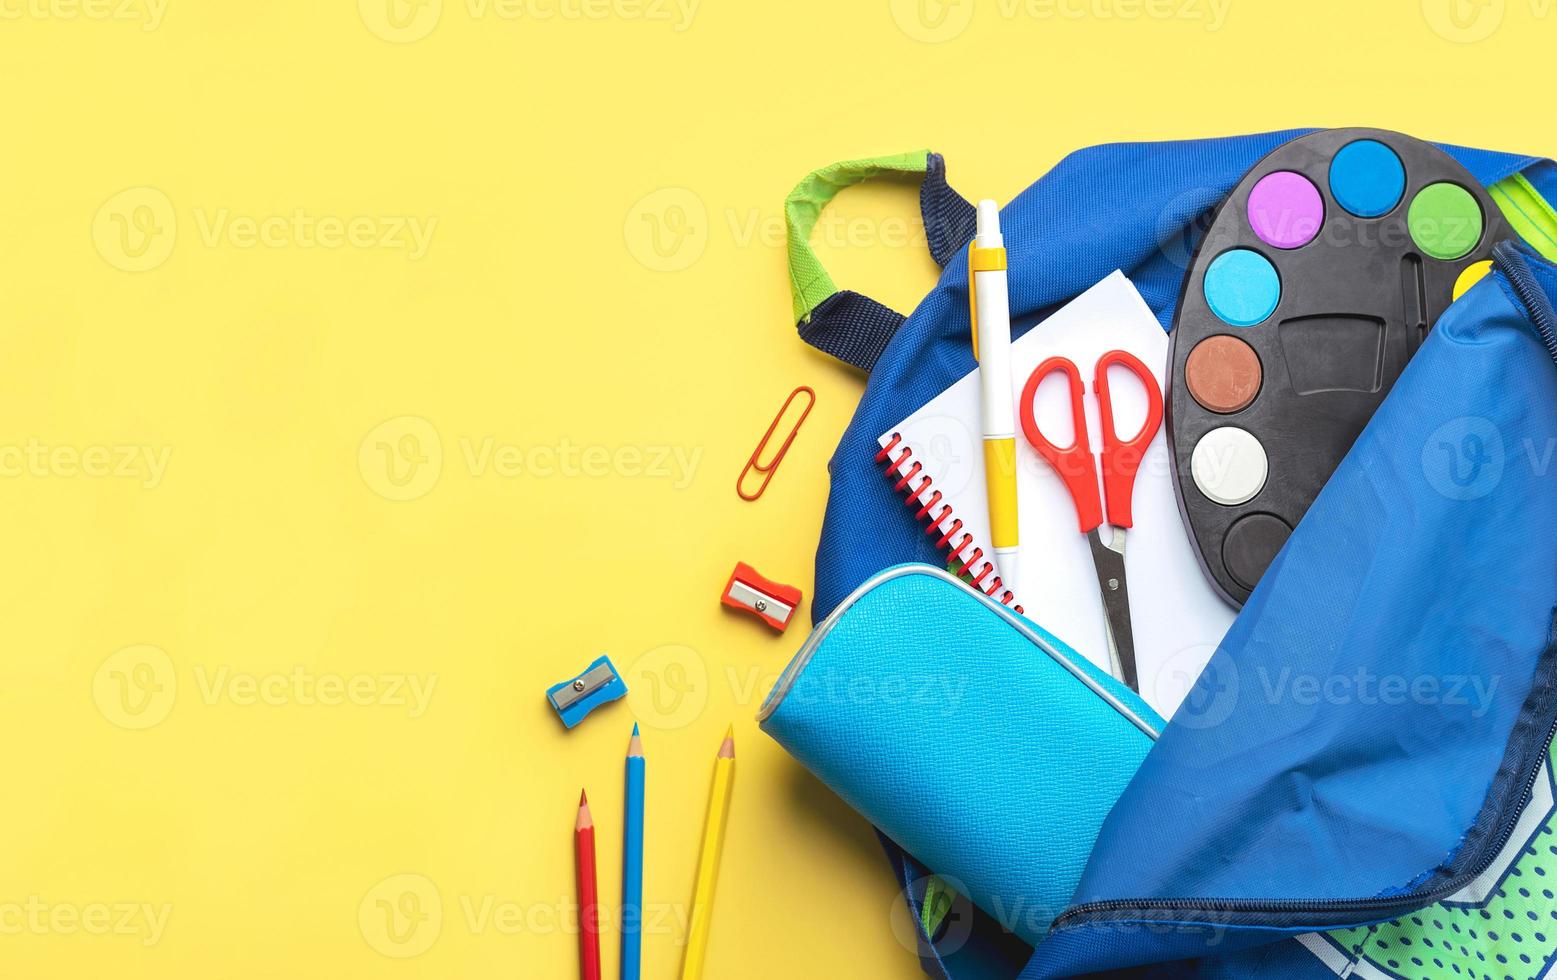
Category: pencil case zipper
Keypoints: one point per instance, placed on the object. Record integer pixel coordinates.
(813, 643)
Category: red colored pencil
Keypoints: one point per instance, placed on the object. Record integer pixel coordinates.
(588, 893)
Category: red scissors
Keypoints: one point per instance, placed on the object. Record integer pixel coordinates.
(1078, 469)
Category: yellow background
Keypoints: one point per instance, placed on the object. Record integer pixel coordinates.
(604, 270)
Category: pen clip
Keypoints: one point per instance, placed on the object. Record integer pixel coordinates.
(980, 260)
(973, 301)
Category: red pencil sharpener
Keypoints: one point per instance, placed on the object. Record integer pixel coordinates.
(772, 602)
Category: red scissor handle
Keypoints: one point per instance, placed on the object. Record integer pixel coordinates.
(1122, 458)
(1073, 463)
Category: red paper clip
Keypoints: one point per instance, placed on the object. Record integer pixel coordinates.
(768, 469)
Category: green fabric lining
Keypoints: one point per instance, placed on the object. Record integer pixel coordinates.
(809, 283)
(1529, 213)
(1512, 932)
(938, 901)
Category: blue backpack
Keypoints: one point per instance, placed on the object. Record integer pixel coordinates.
(1284, 825)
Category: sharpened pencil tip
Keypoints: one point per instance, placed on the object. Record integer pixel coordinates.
(583, 797)
(635, 745)
(585, 819)
(727, 748)
(635, 728)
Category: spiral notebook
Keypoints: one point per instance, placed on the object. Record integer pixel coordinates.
(935, 457)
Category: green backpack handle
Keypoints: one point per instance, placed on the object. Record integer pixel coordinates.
(850, 326)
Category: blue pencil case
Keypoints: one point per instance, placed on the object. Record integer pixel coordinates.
(983, 746)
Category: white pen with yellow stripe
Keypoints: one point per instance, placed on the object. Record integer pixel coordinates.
(991, 312)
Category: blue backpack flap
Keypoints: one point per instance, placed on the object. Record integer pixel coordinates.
(1367, 739)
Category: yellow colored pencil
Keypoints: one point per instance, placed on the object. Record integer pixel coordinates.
(708, 860)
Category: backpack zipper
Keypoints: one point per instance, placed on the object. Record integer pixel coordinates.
(1511, 259)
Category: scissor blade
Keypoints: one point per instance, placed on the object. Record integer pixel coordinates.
(1110, 565)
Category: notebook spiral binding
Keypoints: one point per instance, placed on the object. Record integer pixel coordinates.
(960, 566)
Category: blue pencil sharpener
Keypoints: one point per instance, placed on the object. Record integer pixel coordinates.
(599, 684)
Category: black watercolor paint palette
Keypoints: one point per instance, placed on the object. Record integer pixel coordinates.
(1319, 278)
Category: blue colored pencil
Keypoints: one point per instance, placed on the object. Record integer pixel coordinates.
(632, 862)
